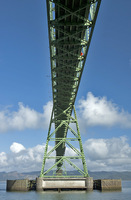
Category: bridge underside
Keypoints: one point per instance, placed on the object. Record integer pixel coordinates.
(70, 25)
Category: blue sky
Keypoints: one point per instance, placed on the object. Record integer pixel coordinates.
(103, 100)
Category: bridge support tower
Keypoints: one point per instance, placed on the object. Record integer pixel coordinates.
(70, 159)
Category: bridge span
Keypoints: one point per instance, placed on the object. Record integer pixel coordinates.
(70, 26)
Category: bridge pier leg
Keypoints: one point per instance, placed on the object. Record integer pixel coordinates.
(64, 137)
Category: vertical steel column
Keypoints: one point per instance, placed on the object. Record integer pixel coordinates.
(80, 143)
(46, 147)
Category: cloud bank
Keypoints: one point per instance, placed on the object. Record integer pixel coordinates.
(92, 111)
(25, 118)
(101, 154)
(98, 111)
(108, 154)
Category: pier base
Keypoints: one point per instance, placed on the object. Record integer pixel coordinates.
(18, 185)
(107, 184)
(60, 184)
(64, 183)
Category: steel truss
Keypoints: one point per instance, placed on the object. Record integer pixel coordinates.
(70, 26)
(57, 167)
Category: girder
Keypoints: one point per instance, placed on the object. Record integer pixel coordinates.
(70, 24)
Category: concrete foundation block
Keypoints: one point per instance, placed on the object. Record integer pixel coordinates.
(89, 183)
(64, 183)
(39, 184)
(111, 184)
(107, 184)
(17, 185)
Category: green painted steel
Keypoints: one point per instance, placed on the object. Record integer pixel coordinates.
(77, 152)
(70, 26)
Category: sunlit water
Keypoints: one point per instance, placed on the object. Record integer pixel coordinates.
(125, 194)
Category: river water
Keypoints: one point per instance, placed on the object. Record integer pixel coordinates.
(125, 194)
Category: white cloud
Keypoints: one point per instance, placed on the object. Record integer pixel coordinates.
(16, 147)
(108, 154)
(23, 160)
(25, 118)
(98, 111)
(101, 154)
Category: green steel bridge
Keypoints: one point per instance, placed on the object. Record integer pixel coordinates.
(70, 26)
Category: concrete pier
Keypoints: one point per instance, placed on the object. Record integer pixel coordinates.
(60, 184)
(18, 185)
(64, 183)
(107, 184)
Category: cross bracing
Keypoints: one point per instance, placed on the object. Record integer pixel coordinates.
(61, 160)
(70, 26)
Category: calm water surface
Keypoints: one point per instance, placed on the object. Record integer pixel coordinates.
(125, 194)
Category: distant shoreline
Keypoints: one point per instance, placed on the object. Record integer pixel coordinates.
(126, 175)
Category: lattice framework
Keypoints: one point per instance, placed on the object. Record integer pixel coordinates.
(70, 26)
